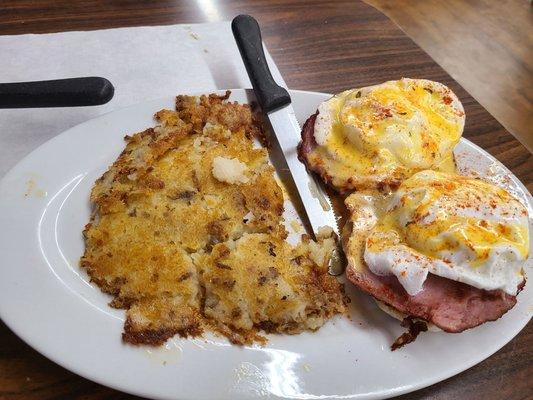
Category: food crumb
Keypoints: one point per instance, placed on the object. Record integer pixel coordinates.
(296, 226)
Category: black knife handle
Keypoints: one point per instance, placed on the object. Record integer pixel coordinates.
(248, 37)
(90, 91)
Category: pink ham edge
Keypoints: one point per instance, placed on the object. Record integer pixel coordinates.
(307, 145)
(450, 305)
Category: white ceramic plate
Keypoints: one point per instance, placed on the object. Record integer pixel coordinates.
(46, 299)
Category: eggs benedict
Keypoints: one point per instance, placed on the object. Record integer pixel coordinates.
(377, 136)
(443, 249)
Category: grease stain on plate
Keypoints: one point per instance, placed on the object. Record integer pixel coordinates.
(169, 353)
(32, 190)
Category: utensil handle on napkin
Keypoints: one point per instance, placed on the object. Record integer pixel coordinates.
(248, 37)
(73, 92)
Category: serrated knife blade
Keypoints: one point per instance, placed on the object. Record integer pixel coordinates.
(315, 203)
(311, 201)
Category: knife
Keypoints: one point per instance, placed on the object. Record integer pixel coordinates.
(314, 205)
(72, 92)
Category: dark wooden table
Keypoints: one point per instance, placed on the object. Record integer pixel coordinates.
(317, 46)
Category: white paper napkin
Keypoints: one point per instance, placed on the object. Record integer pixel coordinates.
(142, 63)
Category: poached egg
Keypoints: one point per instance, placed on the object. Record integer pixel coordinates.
(380, 135)
(456, 227)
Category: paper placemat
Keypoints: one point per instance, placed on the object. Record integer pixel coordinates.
(143, 63)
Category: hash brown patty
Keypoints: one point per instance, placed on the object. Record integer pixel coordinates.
(183, 252)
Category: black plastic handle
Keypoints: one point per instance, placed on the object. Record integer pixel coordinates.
(90, 91)
(248, 37)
